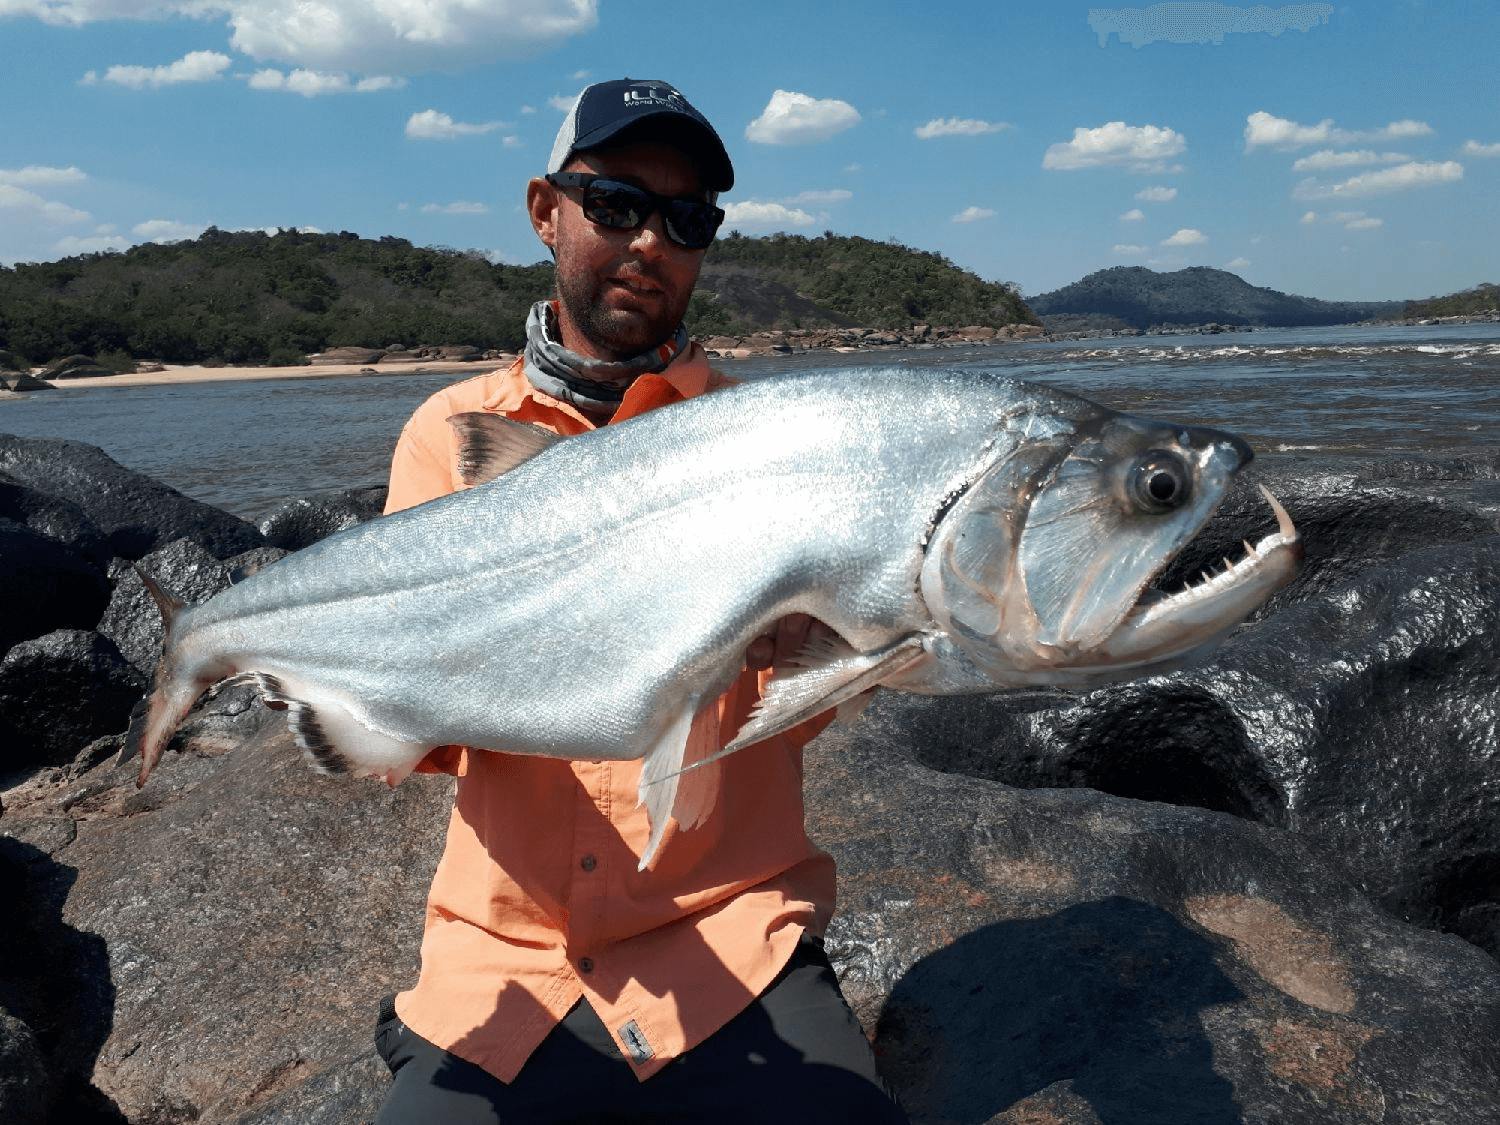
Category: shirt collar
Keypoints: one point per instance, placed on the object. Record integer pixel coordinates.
(687, 376)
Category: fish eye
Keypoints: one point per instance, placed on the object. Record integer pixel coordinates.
(1160, 481)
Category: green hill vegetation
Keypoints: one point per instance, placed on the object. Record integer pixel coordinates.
(1483, 298)
(249, 297)
(1141, 298)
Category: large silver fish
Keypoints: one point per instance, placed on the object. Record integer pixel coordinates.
(958, 531)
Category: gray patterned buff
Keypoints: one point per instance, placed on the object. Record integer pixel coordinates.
(595, 386)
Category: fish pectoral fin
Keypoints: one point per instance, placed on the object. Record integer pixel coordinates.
(333, 737)
(489, 444)
(831, 673)
(661, 778)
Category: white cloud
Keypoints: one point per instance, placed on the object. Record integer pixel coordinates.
(41, 175)
(1237, 263)
(314, 83)
(1327, 158)
(564, 103)
(528, 109)
(1265, 130)
(754, 213)
(430, 125)
(458, 207)
(973, 214)
(831, 195)
(1141, 148)
(1128, 249)
(1157, 194)
(1366, 223)
(167, 230)
(958, 127)
(1399, 178)
(13, 198)
(1187, 236)
(89, 244)
(792, 119)
(403, 35)
(195, 66)
(1475, 148)
(852, 168)
(1309, 216)
(579, 75)
(1134, 215)
(511, 142)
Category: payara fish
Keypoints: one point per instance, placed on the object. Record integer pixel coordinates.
(957, 532)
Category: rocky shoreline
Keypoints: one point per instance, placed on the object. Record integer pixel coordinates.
(1260, 890)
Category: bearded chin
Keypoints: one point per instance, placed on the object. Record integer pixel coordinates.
(615, 332)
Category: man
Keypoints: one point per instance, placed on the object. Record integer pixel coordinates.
(559, 983)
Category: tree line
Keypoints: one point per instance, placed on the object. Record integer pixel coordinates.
(246, 297)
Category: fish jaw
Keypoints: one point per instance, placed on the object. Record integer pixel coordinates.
(1171, 627)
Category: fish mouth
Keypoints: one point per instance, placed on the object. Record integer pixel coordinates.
(1162, 625)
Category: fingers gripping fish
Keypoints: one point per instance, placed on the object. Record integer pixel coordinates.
(586, 597)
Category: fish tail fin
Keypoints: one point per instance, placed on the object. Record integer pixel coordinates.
(174, 689)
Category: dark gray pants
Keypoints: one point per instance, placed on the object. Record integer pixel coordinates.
(795, 1054)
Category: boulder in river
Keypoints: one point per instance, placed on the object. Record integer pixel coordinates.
(302, 521)
(23, 381)
(57, 519)
(344, 355)
(135, 512)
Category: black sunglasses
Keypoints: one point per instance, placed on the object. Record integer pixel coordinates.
(691, 223)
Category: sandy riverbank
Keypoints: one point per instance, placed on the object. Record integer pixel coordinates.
(194, 373)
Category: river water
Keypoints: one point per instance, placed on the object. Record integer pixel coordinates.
(248, 444)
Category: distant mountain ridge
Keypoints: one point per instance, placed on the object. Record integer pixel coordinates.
(1482, 300)
(1138, 297)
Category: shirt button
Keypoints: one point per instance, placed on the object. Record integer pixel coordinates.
(588, 863)
(585, 964)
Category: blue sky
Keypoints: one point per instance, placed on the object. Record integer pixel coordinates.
(1341, 151)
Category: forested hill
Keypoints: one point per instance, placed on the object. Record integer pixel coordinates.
(249, 297)
(1483, 299)
(1140, 297)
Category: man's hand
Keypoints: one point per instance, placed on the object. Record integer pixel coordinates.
(790, 636)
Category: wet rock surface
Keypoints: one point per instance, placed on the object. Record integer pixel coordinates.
(136, 513)
(57, 519)
(303, 521)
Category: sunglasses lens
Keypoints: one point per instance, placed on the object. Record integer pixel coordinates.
(691, 224)
(616, 205)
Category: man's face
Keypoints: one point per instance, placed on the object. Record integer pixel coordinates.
(620, 291)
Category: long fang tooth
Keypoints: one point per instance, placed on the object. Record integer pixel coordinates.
(1249, 547)
(1228, 566)
(1283, 521)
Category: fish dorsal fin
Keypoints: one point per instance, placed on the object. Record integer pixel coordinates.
(489, 445)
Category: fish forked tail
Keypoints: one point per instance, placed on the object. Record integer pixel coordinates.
(173, 691)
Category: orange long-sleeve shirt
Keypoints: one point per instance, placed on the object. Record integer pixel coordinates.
(537, 900)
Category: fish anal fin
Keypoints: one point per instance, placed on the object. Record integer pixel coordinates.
(661, 772)
(333, 737)
(490, 444)
(830, 674)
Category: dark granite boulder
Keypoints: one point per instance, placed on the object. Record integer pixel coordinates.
(44, 585)
(182, 568)
(302, 521)
(23, 381)
(1364, 718)
(1070, 957)
(60, 692)
(75, 367)
(55, 518)
(135, 512)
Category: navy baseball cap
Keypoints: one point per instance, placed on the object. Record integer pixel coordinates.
(637, 108)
